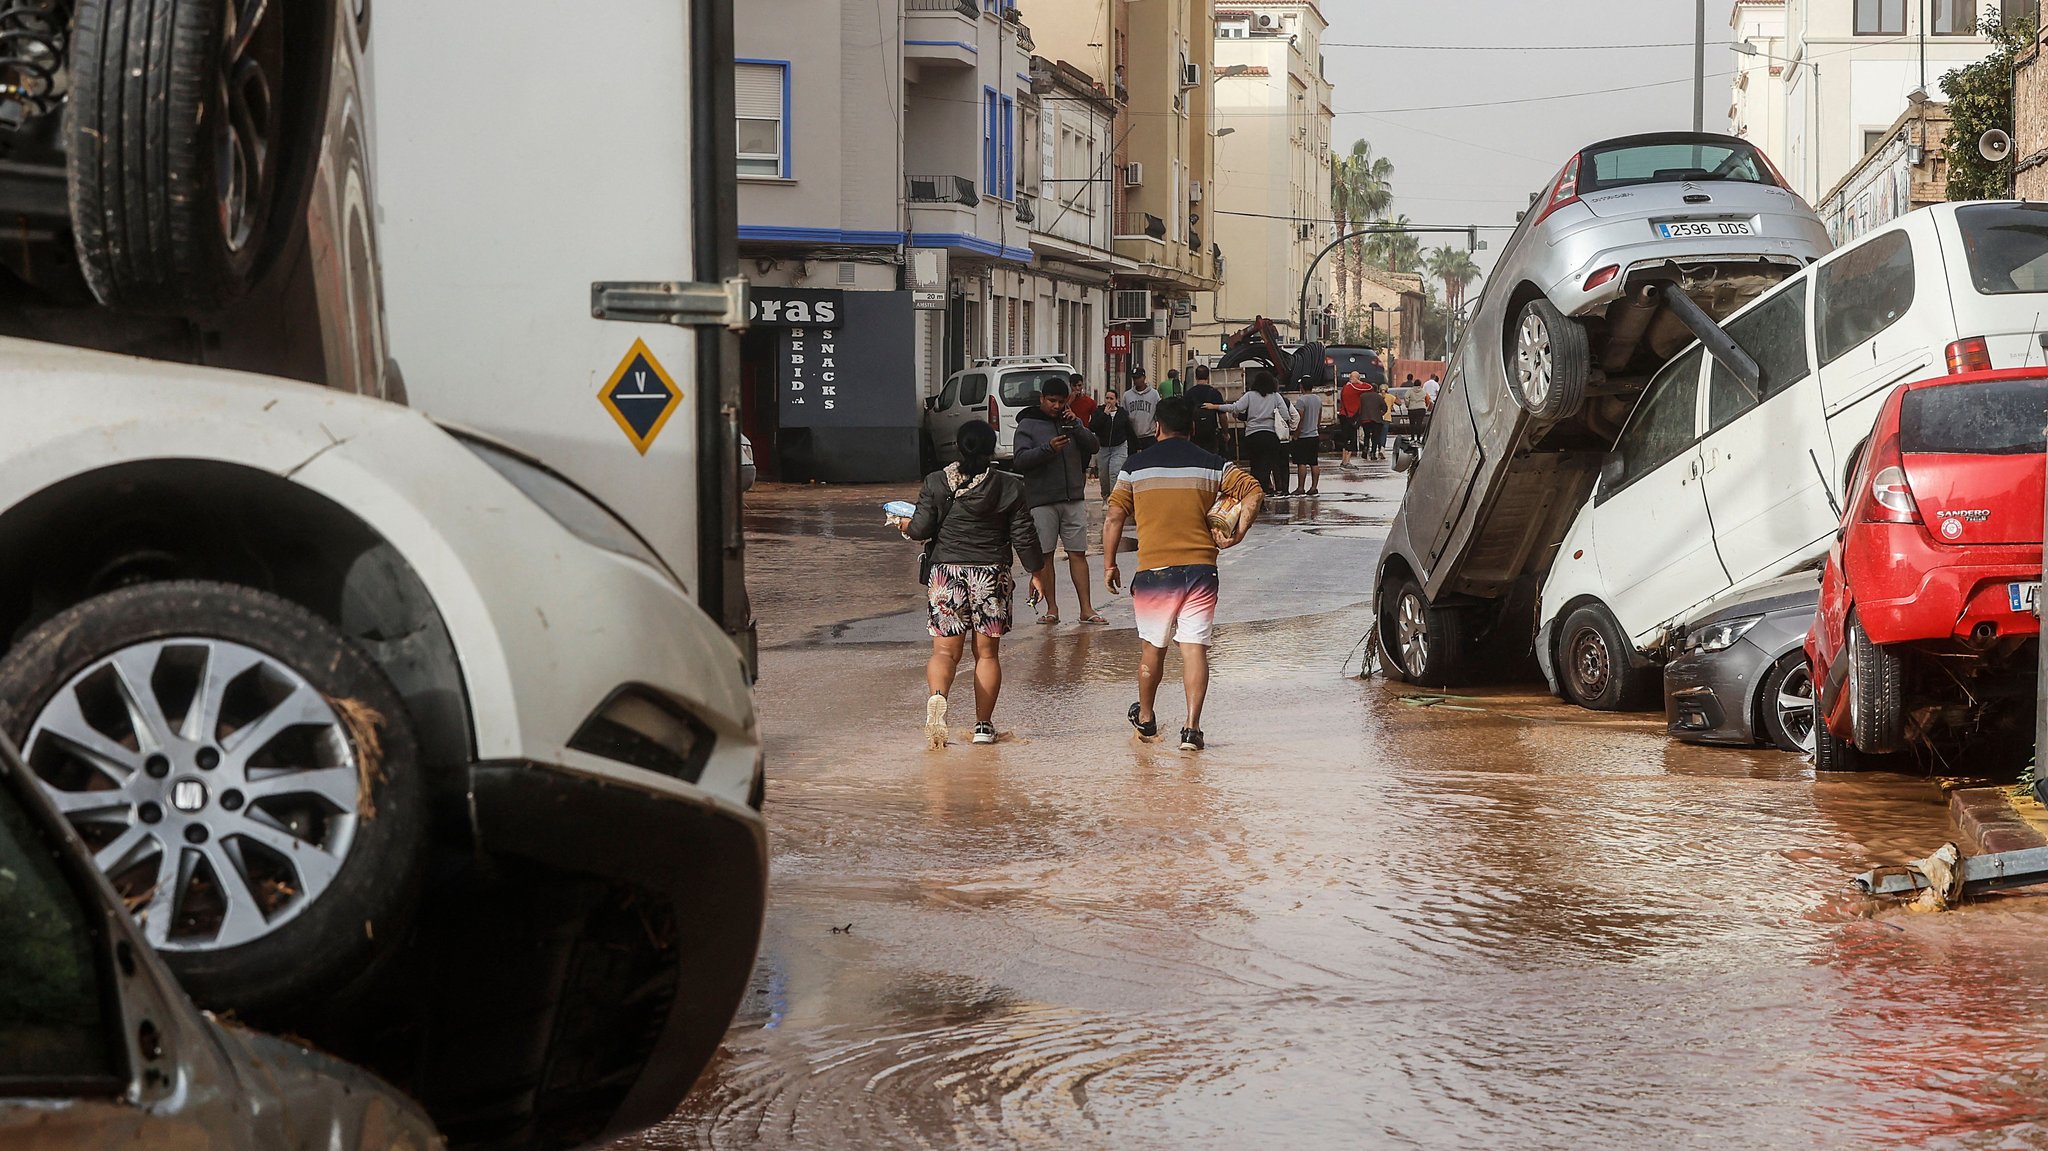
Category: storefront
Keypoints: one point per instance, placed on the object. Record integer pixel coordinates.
(829, 387)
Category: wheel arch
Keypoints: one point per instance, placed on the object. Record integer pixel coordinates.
(183, 518)
(1524, 292)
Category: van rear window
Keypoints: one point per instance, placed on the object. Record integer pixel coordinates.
(2007, 246)
(1998, 418)
(1020, 389)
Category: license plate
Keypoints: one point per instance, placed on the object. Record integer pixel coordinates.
(1688, 229)
(2025, 597)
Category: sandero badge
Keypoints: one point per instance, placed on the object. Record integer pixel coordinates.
(641, 396)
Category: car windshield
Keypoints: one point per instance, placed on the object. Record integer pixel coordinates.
(1621, 165)
(2007, 245)
(1020, 389)
(1997, 418)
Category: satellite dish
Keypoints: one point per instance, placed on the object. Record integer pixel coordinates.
(1994, 145)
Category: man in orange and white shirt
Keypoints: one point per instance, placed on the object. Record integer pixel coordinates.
(1170, 489)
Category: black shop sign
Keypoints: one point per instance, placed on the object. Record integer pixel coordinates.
(850, 366)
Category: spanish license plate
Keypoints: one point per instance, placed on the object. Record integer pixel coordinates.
(1689, 229)
(2024, 596)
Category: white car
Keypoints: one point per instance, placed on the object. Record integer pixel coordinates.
(318, 681)
(992, 390)
(1711, 486)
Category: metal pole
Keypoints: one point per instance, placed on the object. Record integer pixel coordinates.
(1699, 69)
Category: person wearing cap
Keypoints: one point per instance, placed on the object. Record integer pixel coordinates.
(1141, 402)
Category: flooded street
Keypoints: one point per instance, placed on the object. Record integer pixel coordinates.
(1366, 916)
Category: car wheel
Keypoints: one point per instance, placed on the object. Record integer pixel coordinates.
(1785, 704)
(1593, 662)
(245, 778)
(1877, 714)
(1549, 363)
(1423, 643)
(172, 141)
(1831, 753)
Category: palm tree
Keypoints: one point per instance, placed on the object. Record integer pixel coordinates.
(1455, 268)
(1400, 251)
(1362, 189)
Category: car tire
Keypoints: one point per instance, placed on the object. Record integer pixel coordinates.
(1423, 644)
(1548, 360)
(1779, 715)
(1832, 753)
(1593, 662)
(172, 149)
(256, 756)
(1877, 688)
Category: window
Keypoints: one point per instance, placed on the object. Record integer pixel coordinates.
(57, 1031)
(1987, 419)
(1955, 17)
(1234, 30)
(1006, 126)
(991, 167)
(2007, 246)
(761, 88)
(1873, 138)
(1665, 422)
(974, 389)
(1652, 163)
(1880, 17)
(950, 394)
(1774, 334)
(1020, 389)
(1862, 292)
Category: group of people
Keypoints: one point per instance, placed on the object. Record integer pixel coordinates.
(1154, 454)
(975, 518)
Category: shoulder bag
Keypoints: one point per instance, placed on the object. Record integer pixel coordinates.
(924, 559)
(1284, 419)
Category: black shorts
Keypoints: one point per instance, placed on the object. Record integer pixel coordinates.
(1306, 449)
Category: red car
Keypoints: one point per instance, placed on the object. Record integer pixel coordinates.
(1927, 624)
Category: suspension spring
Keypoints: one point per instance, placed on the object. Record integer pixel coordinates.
(32, 71)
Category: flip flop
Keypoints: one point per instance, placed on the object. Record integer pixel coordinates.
(1048, 620)
(1094, 618)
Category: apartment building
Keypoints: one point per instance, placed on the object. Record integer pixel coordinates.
(1850, 68)
(1271, 200)
(1756, 108)
(896, 160)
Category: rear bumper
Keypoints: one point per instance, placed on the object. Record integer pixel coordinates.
(1907, 588)
(1629, 244)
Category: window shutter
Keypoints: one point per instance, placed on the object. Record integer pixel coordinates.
(758, 88)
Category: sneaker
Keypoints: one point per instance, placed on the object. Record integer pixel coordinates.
(1191, 739)
(984, 733)
(1148, 730)
(935, 722)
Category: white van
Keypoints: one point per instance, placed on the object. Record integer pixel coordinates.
(993, 390)
(1712, 486)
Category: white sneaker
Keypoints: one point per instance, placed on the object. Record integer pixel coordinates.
(984, 733)
(935, 722)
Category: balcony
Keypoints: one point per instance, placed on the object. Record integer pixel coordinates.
(1140, 225)
(945, 190)
(942, 32)
(1027, 210)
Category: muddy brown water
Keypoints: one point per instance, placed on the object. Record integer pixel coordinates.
(1358, 919)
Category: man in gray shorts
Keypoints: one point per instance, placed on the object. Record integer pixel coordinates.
(1051, 453)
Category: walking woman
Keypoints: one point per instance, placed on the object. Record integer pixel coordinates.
(1259, 406)
(976, 520)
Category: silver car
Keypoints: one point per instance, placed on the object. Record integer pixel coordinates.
(1742, 677)
(1636, 248)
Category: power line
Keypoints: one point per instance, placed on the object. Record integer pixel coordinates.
(1502, 47)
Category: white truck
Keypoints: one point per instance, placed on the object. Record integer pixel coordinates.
(371, 599)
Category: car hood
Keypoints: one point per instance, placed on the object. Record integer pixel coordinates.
(1796, 591)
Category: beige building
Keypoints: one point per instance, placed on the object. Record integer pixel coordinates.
(1756, 108)
(1270, 205)
(1849, 68)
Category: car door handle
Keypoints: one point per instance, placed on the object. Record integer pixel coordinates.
(1694, 470)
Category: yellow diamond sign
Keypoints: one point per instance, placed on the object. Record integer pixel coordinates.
(641, 396)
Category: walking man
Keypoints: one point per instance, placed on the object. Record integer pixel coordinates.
(1112, 428)
(1202, 393)
(1308, 443)
(1079, 401)
(1349, 399)
(1141, 401)
(1051, 452)
(1170, 489)
(1170, 386)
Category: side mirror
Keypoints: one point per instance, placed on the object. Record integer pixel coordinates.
(931, 403)
(1610, 470)
(1406, 454)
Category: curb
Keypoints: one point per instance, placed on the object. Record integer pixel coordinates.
(1992, 819)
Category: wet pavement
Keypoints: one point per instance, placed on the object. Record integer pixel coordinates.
(1365, 916)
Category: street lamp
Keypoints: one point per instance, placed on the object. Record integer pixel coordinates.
(1745, 48)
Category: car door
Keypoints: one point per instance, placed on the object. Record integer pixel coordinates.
(1878, 322)
(1769, 469)
(1650, 527)
(946, 421)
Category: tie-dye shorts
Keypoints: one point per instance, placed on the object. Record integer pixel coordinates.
(1177, 603)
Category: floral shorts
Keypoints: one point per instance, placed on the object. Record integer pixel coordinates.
(970, 598)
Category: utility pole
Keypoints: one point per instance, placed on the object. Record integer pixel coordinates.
(1699, 68)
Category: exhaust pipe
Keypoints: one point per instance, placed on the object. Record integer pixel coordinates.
(1626, 332)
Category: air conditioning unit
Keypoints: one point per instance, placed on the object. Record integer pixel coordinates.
(1265, 21)
(1194, 191)
(1134, 175)
(1190, 75)
(1127, 305)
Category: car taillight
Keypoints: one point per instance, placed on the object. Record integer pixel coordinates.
(1891, 500)
(1564, 191)
(1602, 276)
(995, 413)
(1971, 355)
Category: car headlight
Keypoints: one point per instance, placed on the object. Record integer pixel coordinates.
(1722, 635)
(568, 505)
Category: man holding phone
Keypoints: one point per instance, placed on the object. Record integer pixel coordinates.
(1052, 450)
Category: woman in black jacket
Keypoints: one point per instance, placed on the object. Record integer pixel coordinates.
(977, 521)
(1112, 428)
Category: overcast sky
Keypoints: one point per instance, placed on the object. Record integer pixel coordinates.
(1478, 165)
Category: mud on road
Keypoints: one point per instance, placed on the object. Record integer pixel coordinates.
(1360, 918)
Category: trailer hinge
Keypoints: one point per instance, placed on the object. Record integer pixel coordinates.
(668, 302)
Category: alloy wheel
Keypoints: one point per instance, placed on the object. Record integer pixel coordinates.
(216, 787)
(1533, 360)
(1411, 626)
(243, 136)
(1795, 706)
(1591, 663)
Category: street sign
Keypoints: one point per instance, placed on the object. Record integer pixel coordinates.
(641, 396)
